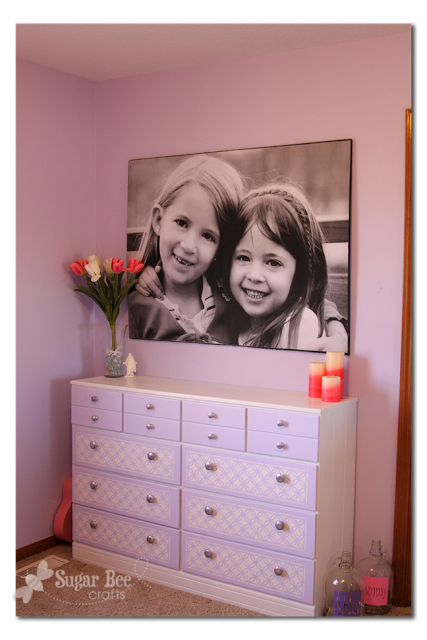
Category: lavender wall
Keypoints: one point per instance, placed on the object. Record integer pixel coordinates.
(358, 90)
(55, 173)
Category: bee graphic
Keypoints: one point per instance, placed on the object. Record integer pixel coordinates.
(34, 583)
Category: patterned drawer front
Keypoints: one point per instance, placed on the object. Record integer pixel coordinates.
(283, 446)
(127, 536)
(266, 526)
(127, 496)
(152, 406)
(283, 422)
(213, 436)
(97, 398)
(152, 427)
(133, 455)
(250, 476)
(214, 414)
(88, 417)
(249, 567)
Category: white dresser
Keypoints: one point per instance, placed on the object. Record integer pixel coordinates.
(239, 494)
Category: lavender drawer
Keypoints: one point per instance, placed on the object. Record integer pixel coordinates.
(97, 398)
(152, 426)
(284, 446)
(249, 567)
(250, 522)
(126, 496)
(94, 417)
(152, 406)
(250, 476)
(127, 454)
(127, 536)
(214, 414)
(283, 422)
(213, 436)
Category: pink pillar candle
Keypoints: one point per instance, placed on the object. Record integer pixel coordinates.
(335, 366)
(331, 388)
(315, 374)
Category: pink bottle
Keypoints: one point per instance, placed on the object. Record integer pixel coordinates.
(378, 575)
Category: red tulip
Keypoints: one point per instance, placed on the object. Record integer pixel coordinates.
(78, 267)
(117, 265)
(134, 266)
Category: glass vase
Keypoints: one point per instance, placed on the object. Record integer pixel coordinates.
(113, 344)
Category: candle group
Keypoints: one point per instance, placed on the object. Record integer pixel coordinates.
(326, 380)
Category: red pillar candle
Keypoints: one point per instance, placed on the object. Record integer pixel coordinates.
(335, 366)
(315, 374)
(331, 388)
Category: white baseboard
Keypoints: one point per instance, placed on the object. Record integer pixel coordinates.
(239, 596)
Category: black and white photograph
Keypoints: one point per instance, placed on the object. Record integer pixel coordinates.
(245, 247)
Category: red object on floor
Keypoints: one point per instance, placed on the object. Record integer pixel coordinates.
(62, 524)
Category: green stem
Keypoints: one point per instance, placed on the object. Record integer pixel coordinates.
(113, 336)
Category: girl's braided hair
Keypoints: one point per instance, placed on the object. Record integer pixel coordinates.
(284, 215)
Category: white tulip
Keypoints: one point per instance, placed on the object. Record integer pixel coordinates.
(107, 266)
(93, 269)
(95, 258)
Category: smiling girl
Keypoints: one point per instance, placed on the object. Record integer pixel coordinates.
(190, 217)
(278, 273)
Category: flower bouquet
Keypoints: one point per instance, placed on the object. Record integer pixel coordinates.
(108, 290)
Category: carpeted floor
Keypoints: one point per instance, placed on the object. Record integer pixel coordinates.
(134, 598)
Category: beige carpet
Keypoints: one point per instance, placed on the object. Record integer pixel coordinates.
(140, 599)
(137, 599)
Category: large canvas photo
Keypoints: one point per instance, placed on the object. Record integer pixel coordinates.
(245, 247)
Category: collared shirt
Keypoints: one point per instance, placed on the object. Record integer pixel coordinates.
(201, 320)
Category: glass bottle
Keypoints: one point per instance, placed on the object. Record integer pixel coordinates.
(378, 576)
(344, 586)
(386, 556)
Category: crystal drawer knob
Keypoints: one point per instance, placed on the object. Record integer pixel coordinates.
(93, 485)
(280, 477)
(212, 415)
(281, 445)
(281, 423)
(93, 524)
(209, 466)
(149, 407)
(151, 455)
(150, 499)
(151, 539)
(209, 553)
(94, 398)
(94, 418)
(281, 526)
(280, 572)
(209, 511)
(149, 426)
(211, 436)
(93, 444)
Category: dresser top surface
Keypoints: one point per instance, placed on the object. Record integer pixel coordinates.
(193, 390)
